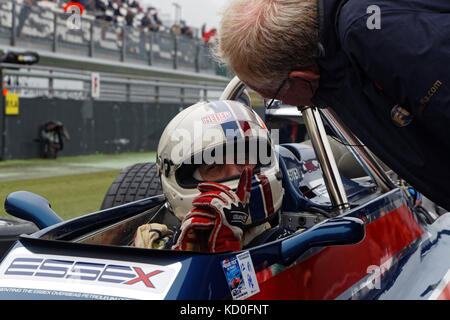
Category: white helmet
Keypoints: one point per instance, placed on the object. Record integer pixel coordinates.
(213, 131)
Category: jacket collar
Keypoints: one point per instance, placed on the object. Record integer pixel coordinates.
(328, 17)
(331, 60)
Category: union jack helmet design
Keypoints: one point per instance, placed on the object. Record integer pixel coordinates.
(208, 132)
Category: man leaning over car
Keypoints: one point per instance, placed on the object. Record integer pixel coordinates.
(383, 67)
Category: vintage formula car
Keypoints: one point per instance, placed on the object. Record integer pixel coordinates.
(360, 232)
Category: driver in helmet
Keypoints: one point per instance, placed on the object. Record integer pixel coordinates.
(220, 176)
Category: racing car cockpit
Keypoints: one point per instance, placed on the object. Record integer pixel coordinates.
(321, 179)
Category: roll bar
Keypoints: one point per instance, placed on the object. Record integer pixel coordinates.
(316, 130)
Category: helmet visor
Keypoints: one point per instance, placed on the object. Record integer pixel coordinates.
(254, 152)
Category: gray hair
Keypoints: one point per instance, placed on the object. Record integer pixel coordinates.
(263, 40)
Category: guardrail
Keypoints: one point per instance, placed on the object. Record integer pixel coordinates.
(127, 113)
(38, 81)
(40, 28)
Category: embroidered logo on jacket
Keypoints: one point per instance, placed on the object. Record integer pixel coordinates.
(400, 116)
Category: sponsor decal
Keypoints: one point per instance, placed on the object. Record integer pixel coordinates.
(73, 269)
(310, 165)
(218, 117)
(52, 272)
(294, 175)
(241, 276)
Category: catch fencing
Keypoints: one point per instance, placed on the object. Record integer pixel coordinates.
(123, 113)
(44, 28)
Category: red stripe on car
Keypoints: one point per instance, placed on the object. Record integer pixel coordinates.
(331, 271)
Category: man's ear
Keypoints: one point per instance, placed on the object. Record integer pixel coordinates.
(308, 75)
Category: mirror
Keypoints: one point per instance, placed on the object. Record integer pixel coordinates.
(335, 231)
(31, 207)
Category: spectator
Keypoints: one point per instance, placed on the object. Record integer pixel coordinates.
(89, 5)
(209, 35)
(203, 30)
(23, 15)
(186, 30)
(175, 29)
(148, 20)
(100, 5)
(84, 3)
(121, 12)
(134, 4)
(129, 18)
(100, 8)
(154, 14)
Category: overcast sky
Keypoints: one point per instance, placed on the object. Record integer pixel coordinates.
(194, 12)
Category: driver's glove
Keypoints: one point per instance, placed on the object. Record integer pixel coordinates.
(152, 235)
(216, 220)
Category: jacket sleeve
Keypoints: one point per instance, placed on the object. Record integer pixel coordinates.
(408, 56)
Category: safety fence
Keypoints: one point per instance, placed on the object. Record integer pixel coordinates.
(44, 28)
(102, 112)
(50, 82)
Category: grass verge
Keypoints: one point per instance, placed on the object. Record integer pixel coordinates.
(81, 160)
(70, 196)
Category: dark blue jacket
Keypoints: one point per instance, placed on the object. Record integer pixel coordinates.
(368, 73)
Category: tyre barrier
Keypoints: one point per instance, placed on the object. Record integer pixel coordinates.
(10, 230)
